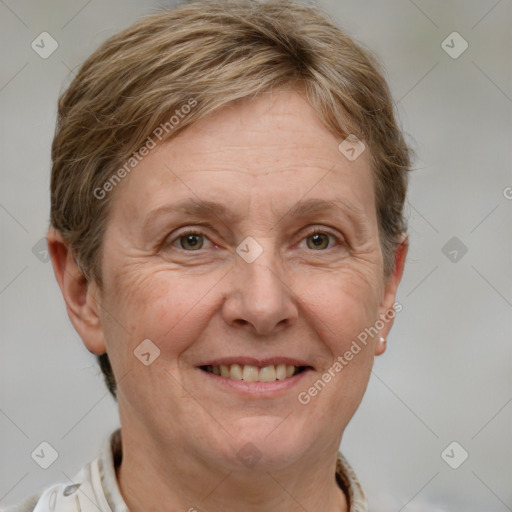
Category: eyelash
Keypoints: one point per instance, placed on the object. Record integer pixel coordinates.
(312, 232)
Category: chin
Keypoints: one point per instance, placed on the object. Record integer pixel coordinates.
(269, 443)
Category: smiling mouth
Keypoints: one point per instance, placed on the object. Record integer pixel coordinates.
(251, 373)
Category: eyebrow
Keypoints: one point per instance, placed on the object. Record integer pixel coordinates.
(302, 209)
(199, 208)
(311, 207)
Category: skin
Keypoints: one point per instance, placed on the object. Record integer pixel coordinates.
(181, 428)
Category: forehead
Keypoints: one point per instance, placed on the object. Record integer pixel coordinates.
(270, 151)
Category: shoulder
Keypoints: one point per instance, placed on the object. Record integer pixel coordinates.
(92, 489)
(80, 495)
(26, 505)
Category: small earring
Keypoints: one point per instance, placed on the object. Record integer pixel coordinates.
(382, 340)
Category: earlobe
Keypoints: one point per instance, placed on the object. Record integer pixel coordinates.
(81, 297)
(388, 311)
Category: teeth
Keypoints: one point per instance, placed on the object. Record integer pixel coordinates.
(235, 372)
(250, 373)
(281, 371)
(268, 374)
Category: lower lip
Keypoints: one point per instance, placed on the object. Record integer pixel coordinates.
(256, 388)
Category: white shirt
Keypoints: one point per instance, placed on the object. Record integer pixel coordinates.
(95, 487)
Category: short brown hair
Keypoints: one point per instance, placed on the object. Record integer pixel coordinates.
(213, 52)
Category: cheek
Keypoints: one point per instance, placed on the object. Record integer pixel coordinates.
(341, 304)
(162, 305)
(350, 312)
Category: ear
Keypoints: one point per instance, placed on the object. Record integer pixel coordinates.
(386, 310)
(81, 297)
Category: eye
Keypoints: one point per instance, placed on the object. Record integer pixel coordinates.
(319, 240)
(190, 240)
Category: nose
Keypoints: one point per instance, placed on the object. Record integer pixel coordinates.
(260, 296)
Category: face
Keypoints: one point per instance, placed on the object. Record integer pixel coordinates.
(247, 246)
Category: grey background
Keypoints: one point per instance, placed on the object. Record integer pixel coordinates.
(447, 373)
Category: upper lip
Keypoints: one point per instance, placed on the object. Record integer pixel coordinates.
(260, 363)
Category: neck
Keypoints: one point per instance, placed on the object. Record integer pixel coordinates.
(149, 477)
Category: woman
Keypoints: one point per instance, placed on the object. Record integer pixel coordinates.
(227, 232)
